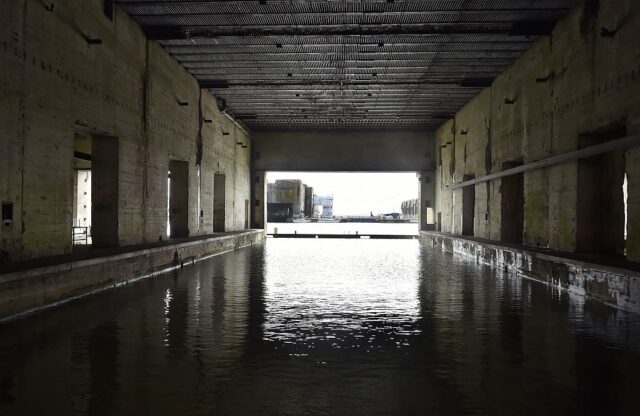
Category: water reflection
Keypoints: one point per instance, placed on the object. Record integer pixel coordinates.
(324, 327)
(314, 304)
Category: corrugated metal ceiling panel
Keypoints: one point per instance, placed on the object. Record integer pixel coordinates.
(345, 63)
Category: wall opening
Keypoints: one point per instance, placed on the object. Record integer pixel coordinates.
(219, 203)
(81, 226)
(512, 206)
(178, 196)
(468, 207)
(601, 207)
(95, 190)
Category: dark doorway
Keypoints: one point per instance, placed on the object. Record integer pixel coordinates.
(219, 195)
(601, 204)
(512, 206)
(178, 199)
(468, 207)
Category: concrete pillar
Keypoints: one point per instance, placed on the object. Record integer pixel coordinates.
(259, 203)
(104, 191)
(426, 200)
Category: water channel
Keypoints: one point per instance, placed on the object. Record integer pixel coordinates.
(324, 327)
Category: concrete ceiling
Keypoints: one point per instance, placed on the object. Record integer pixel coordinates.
(345, 64)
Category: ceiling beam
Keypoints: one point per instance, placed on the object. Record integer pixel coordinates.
(522, 28)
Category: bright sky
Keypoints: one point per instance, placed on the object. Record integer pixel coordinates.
(358, 193)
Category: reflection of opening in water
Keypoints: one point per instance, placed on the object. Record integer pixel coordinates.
(344, 302)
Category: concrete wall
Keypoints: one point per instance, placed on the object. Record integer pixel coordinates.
(568, 84)
(53, 84)
(344, 151)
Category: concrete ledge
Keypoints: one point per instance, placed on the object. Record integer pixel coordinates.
(26, 290)
(617, 287)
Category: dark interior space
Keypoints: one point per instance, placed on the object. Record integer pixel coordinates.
(601, 206)
(179, 198)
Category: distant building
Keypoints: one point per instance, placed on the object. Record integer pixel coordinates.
(290, 199)
(326, 201)
(308, 201)
(285, 200)
(410, 209)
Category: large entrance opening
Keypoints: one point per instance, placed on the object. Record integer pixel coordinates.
(219, 202)
(178, 189)
(95, 190)
(601, 205)
(338, 204)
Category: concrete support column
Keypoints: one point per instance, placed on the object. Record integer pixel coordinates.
(104, 191)
(259, 202)
(426, 200)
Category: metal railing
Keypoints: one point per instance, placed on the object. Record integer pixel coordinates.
(81, 235)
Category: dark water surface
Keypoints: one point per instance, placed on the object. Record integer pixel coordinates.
(324, 327)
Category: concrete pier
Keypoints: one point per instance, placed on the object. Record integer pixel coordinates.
(37, 287)
(615, 283)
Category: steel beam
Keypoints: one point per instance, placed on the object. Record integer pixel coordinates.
(619, 144)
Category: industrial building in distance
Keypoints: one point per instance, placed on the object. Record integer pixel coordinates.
(409, 209)
(290, 200)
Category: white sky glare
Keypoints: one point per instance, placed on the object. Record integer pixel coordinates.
(358, 193)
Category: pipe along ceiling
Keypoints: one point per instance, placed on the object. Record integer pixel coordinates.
(310, 64)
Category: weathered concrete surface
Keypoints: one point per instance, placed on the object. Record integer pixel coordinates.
(54, 84)
(21, 291)
(613, 286)
(285, 200)
(426, 200)
(569, 84)
(400, 151)
(259, 195)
